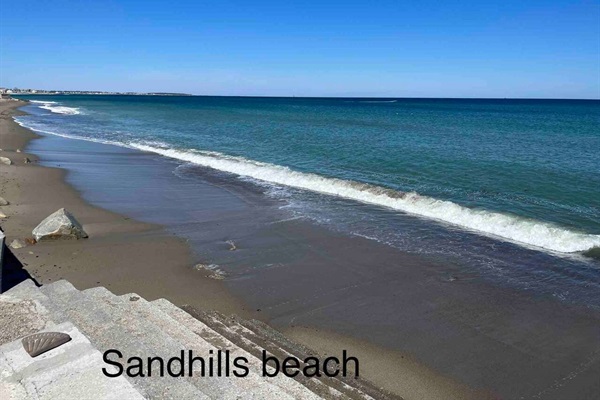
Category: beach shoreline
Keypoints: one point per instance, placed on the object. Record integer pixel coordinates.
(118, 245)
(420, 331)
(134, 250)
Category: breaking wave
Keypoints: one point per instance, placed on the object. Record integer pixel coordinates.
(528, 232)
(42, 102)
(57, 109)
(520, 230)
(62, 109)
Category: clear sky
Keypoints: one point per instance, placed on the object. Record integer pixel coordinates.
(421, 48)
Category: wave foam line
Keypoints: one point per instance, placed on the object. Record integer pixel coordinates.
(520, 230)
(50, 106)
(42, 101)
(61, 109)
(33, 127)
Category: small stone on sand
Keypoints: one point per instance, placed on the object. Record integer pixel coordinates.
(18, 244)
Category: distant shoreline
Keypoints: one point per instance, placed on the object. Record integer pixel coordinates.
(93, 93)
(166, 94)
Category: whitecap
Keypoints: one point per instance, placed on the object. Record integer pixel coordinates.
(511, 227)
(61, 109)
(523, 231)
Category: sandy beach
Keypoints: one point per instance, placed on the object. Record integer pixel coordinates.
(422, 328)
(128, 256)
(121, 254)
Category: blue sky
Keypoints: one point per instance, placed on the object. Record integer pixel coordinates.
(543, 49)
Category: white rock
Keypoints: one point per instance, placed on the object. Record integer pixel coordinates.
(18, 244)
(3, 201)
(59, 225)
(5, 160)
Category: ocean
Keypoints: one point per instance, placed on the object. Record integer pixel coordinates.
(507, 186)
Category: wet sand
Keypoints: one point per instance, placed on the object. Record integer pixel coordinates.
(422, 328)
(122, 254)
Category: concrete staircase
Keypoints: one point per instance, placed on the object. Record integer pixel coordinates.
(98, 320)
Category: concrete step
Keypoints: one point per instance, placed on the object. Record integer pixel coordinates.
(264, 337)
(28, 291)
(109, 327)
(145, 329)
(70, 371)
(25, 310)
(290, 386)
(283, 347)
(277, 387)
(252, 386)
(271, 338)
(255, 346)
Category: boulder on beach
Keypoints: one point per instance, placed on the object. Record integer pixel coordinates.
(2, 215)
(59, 225)
(3, 201)
(5, 160)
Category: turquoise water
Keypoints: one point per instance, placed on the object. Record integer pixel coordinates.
(523, 171)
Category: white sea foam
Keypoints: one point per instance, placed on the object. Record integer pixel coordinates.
(57, 109)
(516, 229)
(42, 101)
(36, 128)
(61, 109)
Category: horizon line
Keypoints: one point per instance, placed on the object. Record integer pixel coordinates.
(179, 94)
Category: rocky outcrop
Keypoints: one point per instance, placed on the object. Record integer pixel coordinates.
(59, 225)
(5, 160)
